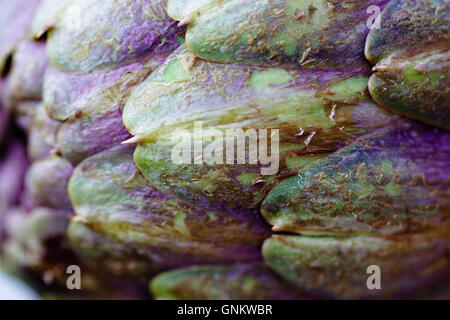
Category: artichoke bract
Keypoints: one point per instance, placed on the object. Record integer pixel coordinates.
(46, 183)
(331, 106)
(340, 267)
(27, 71)
(23, 86)
(23, 113)
(222, 282)
(111, 197)
(292, 33)
(411, 53)
(367, 187)
(15, 19)
(37, 241)
(408, 23)
(78, 138)
(101, 252)
(30, 235)
(91, 105)
(45, 16)
(13, 165)
(67, 95)
(42, 134)
(101, 33)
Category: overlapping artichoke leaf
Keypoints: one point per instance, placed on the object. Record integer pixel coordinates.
(309, 33)
(222, 282)
(415, 86)
(23, 86)
(23, 113)
(111, 198)
(12, 252)
(395, 180)
(101, 252)
(15, 18)
(315, 112)
(79, 138)
(43, 226)
(411, 53)
(37, 241)
(32, 239)
(91, 104)
(46, 14)
(27, 72)
(92, 34)
(339, 266)
(408, 23)
(13, 165)
(42, 134)
(46, 183)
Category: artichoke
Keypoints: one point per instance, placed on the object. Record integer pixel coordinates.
(223, 282)
(346, 168)
(411, 57)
